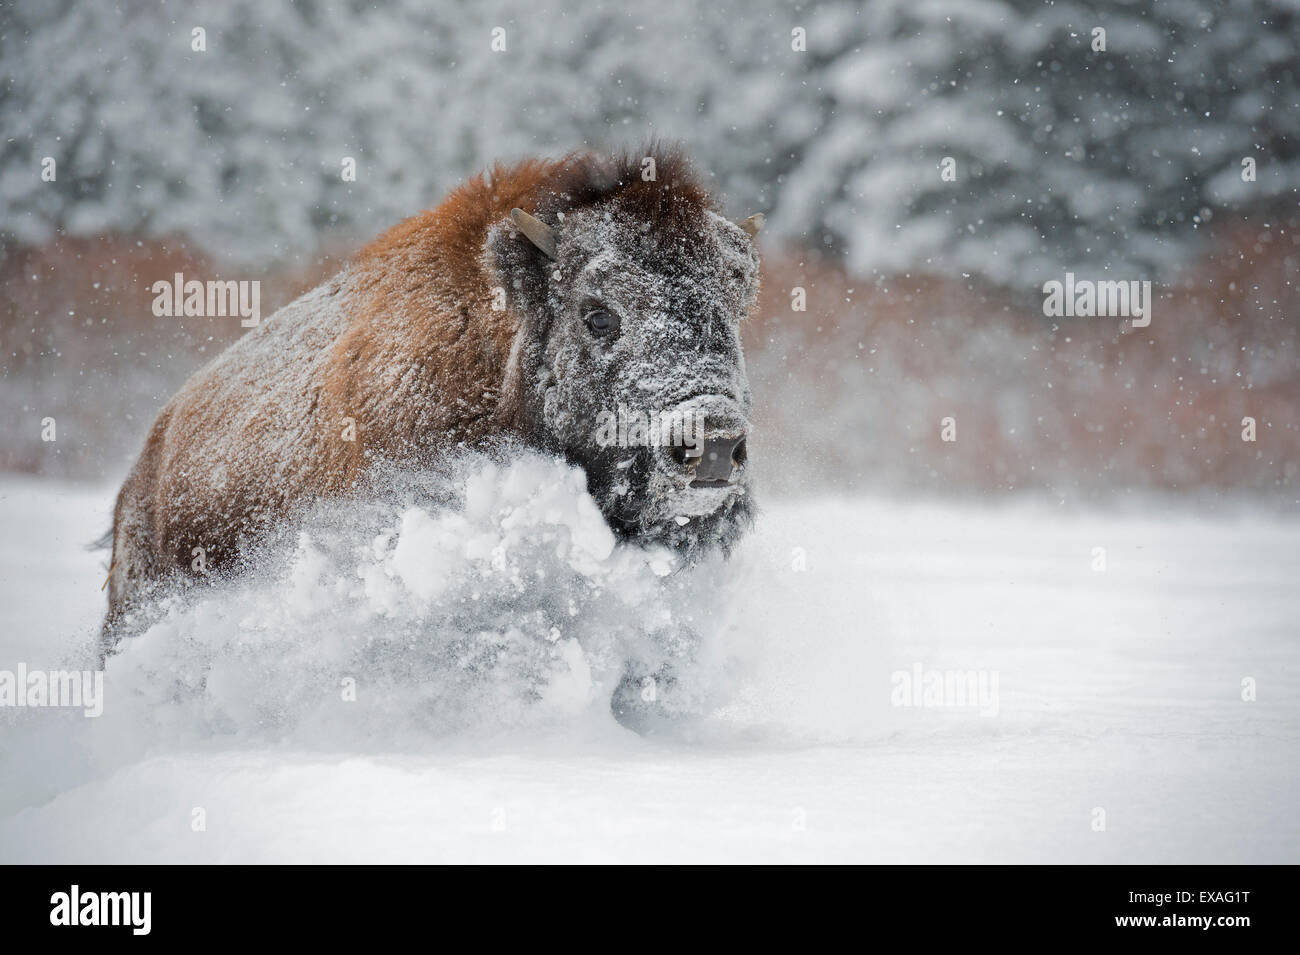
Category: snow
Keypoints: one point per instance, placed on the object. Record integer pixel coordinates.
(1119, 689)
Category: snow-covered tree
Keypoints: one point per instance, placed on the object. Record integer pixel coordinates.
(1009, 139)
(996, 137)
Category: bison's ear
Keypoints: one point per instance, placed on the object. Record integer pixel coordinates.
(753, 224)
(521, 267)
(519, 262)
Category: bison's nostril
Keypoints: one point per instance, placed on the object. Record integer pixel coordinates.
(684, 456)
(718, 461)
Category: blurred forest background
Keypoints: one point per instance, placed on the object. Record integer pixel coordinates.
(924, 295)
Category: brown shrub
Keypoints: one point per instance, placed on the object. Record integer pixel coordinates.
(850, 393)
(82, 346)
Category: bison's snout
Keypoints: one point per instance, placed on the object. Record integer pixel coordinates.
(716, 462)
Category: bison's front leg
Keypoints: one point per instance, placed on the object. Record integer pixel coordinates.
(639, 700)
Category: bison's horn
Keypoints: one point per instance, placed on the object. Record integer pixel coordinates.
(753, 224)
(538, 232)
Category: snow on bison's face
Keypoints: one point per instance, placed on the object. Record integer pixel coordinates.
(636, 370)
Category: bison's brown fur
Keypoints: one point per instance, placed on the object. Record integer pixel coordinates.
(405, 342)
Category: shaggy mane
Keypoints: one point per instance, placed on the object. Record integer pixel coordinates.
(448, 239)
(581, 180)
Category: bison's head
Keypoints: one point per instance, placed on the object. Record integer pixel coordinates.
(630, 293)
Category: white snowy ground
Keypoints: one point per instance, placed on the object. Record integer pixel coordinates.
(1118, 690)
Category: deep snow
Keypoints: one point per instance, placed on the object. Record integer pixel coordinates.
(481, 729)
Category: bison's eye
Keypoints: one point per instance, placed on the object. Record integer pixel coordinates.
(603, 324)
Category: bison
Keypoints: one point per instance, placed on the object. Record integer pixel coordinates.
(536, 301)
